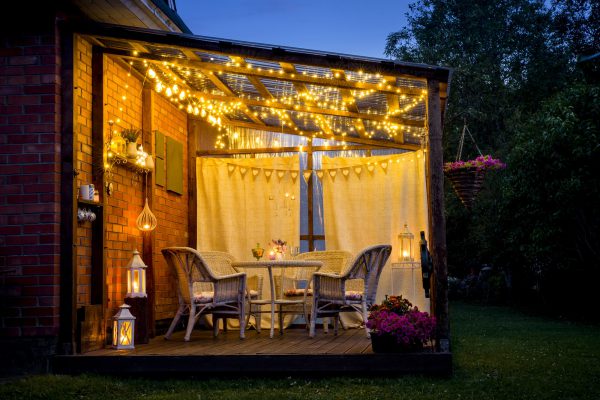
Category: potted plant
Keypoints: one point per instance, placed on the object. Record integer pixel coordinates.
(397, 327)
(467, 176)
(131, 136)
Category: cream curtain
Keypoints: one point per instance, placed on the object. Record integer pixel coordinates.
(242, 202)
(368, 200)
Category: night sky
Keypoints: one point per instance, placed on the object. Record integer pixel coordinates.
(340, 26)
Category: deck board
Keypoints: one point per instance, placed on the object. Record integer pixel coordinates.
(293, 352)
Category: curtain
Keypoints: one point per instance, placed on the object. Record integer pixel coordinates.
(368, 200)
(242, 202)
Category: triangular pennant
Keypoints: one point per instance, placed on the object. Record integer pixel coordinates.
(384, 165)
(346, 172)
(370, 167)
(255, 171)
(332, 173)
(280, 174)
(230, 168)
(306, 175)
(294, 175)
(358, 170)
(319, 173)
(243, 171)
(268, 173)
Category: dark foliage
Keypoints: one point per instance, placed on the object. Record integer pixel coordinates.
(526, 100)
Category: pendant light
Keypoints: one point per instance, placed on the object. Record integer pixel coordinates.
(146, 221)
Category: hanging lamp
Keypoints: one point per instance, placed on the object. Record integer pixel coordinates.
(146, 221)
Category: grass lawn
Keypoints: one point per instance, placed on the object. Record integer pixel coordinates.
(499, 353)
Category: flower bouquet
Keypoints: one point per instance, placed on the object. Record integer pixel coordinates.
(278, 249)
(467, 176)
(396, 326)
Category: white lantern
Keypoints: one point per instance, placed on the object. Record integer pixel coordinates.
(136, 276)
(405, 245)
(123, 329)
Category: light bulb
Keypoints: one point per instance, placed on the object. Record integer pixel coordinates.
(169, 92)
(159, 87)
(151, 73)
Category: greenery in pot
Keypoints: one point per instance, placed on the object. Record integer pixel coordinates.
(130, 135)
(401, 324)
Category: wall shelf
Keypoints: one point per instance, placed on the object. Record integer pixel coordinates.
(129, 163)
(90, 203)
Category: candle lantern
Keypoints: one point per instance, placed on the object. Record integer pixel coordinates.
(405, 245)
(123, 329)
(136, 276)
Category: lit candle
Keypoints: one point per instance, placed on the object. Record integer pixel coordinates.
(271, 255)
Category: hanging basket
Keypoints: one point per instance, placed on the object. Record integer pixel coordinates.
(467, 183)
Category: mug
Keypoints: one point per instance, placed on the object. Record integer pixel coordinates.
(84, 192)
(91, 192)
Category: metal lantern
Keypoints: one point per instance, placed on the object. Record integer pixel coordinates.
(146, 221)
(405, 245)
(123, 329)
(136, 276)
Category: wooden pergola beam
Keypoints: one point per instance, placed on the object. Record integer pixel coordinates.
(302, 89)
(308, 109)
(227, 90)
(350, 101)
(262, 73)
(318, 134)
(275, 150)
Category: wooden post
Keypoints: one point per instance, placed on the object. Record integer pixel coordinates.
(438, 221)
(193, 132)
(309, 197)
(148, 237)
(68, 200)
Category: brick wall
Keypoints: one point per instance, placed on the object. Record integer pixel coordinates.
(171, 209)
(30, 181)
(82, 108)
(123, 105)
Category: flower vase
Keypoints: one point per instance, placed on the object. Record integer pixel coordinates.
(131, 150)
(389, 344)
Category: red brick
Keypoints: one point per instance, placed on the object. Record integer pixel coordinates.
(23, 60)
(11, 90)
(21, 198)
(23, 158)
(20, 179)
(38, 188)
(39, 312)
(42, 89)
(49, 301)
(33, 50)
(14, 51)
(38, 290)
(22, 240)
(7, 110)
(38, 270)
(39, 70)
(21, 260)
(40, 128)
(11, 129)
(10, 230)
(8, 71)
(22, 280)
(20, 322)
(40, 109)
(25, 100)
(24, 119)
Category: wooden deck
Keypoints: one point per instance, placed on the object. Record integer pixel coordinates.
(294, 352)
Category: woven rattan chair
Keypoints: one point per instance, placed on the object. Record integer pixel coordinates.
(330, 295)
(227, 297)
(220, 263)
(334, 262)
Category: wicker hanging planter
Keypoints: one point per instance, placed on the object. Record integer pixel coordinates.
(467, 183)
(467, 176)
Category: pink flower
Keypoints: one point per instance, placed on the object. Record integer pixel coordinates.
(486, 162)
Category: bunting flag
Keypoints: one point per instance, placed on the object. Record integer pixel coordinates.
(306, 175)
(332, 173)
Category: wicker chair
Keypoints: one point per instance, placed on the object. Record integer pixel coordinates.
(226, 298)
(220, 263)
(330, 295)
(334, 262)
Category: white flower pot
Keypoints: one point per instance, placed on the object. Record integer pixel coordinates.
(131, 150)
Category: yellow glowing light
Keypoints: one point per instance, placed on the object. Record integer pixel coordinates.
(151, 73)
(159, 87)
(175, 89)
(182, 95)
(169, 92)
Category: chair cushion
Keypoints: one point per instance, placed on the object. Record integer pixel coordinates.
(253, 293)
(297, 292)
(203, 297)
(353, 295)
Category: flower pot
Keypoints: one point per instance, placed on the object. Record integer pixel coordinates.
(131, 150)
(467, 183)
(389, 344)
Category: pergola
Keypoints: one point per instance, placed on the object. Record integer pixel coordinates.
(347, 101)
